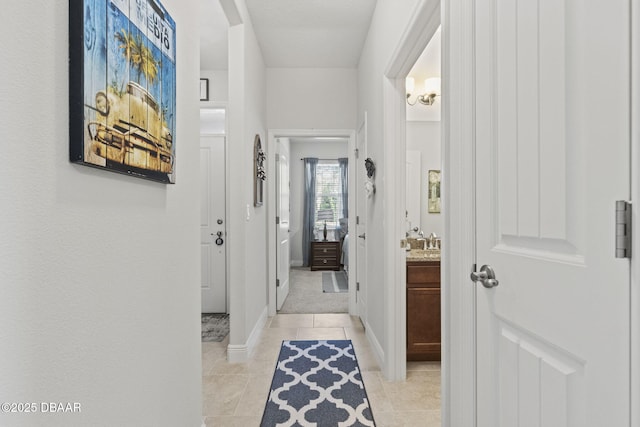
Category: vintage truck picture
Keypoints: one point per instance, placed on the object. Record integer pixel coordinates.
(129, 87)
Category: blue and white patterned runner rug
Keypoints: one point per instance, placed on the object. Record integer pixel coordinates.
(317, 383)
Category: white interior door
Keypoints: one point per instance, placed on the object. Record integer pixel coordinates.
(213, 224)
(361, 223)
(283, 254)
(553, 150)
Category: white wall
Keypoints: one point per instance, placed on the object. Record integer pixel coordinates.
(425, 137)
(300, 149)
(218, 85)
(247, 224)
(99, 272)
(311, 98)
(388, 24)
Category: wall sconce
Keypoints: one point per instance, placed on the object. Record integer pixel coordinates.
(431, 90)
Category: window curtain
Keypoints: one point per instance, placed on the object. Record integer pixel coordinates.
(344, 179)
(308, 218)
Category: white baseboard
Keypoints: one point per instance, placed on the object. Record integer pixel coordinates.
(240, 353)
(375, 345)
(254, 337)
(296, 263)
(237, 353)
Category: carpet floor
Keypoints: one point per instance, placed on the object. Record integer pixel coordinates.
(215, 327)
(306, 296)
(317, 383)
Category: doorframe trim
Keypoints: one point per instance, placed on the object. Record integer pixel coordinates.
(425, 21)
(635, 196)
(458, 129)
(272, 134)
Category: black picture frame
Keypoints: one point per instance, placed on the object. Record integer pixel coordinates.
(204, 89)
(122, 87)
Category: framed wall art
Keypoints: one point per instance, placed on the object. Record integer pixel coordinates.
(259, 172)
(122, 83)
(434, 191)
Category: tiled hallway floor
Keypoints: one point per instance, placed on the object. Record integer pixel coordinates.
(235, 394)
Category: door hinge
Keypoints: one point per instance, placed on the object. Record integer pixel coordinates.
(277, 283)
(357, 220)
(357, 152)
(277, 220)
(357, 286)
(623, 229)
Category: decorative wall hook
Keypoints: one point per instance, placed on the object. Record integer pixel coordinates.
(370, 166)
(260, 174)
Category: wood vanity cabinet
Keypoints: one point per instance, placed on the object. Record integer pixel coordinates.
(325, 255)
(423, 310)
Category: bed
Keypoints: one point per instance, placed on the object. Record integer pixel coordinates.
(345, 253)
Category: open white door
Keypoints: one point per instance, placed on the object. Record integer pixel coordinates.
(552, 157)
(213, 224)
(361, 222)
(282, 211)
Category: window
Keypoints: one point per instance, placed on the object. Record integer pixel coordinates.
(328, 194)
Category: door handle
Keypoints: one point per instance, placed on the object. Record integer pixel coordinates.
(363, 236)
(219, 240)
(486, 276)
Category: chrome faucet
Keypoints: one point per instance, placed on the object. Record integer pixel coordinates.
(432, 240)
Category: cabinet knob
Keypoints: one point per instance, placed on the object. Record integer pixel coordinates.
(324, 261)
(324, 250)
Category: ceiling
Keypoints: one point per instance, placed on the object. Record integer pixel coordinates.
(214, 41)
(311, 33)
(304, 34)
(292, 33)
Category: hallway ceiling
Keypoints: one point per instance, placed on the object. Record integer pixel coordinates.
(311, 33)
(292, 33)
(214, 42)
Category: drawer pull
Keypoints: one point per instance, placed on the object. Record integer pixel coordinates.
(324, 261)
(324, 250)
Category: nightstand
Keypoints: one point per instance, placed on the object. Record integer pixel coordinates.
(325, 255)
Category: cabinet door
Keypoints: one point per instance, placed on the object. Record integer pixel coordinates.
(424, 275)
(423, 324)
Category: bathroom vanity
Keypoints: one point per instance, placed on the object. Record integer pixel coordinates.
(423, 305)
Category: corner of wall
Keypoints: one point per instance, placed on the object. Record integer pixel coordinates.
(240, 353)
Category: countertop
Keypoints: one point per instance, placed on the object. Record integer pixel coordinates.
(417, 255)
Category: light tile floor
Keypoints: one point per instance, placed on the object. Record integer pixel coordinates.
(234, 395)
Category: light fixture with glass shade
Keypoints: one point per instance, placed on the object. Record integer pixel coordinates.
(431, 90)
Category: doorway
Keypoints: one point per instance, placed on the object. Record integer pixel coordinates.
(424, 215)
(213, 215)
(458, 391)
(300, 142)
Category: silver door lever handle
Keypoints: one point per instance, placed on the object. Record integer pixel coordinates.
(363, 236)
(486, 276)
(479, 276)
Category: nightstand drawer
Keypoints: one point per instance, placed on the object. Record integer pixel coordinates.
(325, 251)
(324, 260)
